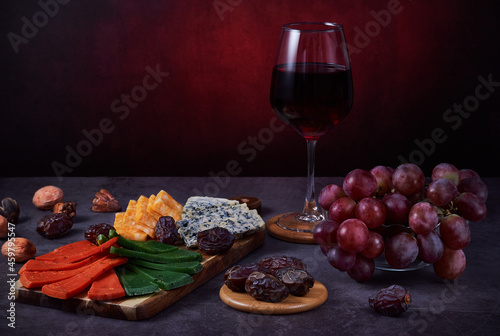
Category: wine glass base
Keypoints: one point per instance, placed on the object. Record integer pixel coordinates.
(299, 222)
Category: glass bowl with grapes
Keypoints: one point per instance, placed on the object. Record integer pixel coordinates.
(396, 219)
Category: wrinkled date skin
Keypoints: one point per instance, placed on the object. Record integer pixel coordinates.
(95, 230)
(275, 263)
(390, 301)
(166, 230)
(236, 276)
(266, 287)
(298, 281)
(9, 209)
(55, 225)
(215, 240)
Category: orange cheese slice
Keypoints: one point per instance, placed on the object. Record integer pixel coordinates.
(142, 217)
(165, 205)
(150, 209)
(131, 219)
(126, 231)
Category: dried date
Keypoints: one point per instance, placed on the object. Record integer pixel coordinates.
(95, 230)
(54, 225)
(236, 276)
(215, 240)
(9, 209)
(298, 281)
(390, 301)
(265, 287)
(166, 230)
(275, 263)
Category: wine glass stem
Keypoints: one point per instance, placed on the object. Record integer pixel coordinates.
(310, 207)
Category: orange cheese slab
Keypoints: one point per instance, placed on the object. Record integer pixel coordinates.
(142, 216)
(128, 231)
(165, 205)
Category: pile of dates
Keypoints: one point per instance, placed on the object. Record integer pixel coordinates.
(270, 280)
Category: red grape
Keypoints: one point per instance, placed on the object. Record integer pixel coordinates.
(342, 209)
(325, 233)
(341, 259)
(445, 170)
(363, 269)
(451, 265)
(466, 173)
(394, 229)
(415, 198)
(408, 179)
(353, 235)
(455, 232)
(441, 192)
(325, 249)
(330, 194)
(397, 207)
(430, 247)
(401, 250)
(470, 207)
(383, 175)
(423, 218)
(359, 184)
(474, 185)
(375, 246)
(371, 211)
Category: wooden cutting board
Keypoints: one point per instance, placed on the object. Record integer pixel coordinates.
(145, 306)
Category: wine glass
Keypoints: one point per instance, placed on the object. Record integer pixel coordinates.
(311, 91)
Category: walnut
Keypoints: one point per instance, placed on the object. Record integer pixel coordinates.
(105, 202)
(45, 198)
(65, 207)
(21, 249)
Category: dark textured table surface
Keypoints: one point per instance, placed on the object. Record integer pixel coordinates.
(467, 306)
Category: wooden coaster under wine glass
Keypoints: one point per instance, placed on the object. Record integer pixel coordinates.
(292, 236)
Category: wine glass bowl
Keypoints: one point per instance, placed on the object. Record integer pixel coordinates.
(311, 92)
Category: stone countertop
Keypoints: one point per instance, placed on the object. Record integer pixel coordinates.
(469, 305)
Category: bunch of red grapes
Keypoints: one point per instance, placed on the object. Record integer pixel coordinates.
(393, 212)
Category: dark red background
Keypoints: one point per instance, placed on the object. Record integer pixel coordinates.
(204, 114)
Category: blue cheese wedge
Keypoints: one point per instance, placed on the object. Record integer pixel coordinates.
(203, 213)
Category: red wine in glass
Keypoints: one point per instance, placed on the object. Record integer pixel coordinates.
(311, 91)
(311, 97)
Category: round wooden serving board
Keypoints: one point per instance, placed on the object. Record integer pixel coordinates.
(288, 235)
(292, 304)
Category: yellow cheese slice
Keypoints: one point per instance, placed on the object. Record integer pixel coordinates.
(165, 205)
(130, 219)
(126, 231)
(143, 218)
(150, 209)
